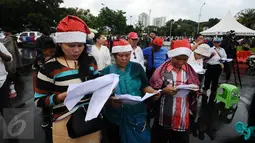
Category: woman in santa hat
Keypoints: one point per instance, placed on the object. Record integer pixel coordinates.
(127, 123)
(71, 64)
(171, 122)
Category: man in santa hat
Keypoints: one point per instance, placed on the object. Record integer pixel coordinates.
(171, 123)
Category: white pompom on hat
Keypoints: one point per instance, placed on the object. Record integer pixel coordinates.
(72, 29)
(121, 45)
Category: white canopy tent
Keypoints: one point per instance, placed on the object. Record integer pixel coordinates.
(226, 24)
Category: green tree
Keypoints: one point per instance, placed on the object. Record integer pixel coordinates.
(33, 14)
(247, 17)
(84, 14)
(129, 28)
(150, 28)
(181, 27)
(212, 22)
(114, 20)
(139, 27)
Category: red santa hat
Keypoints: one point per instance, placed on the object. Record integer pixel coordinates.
(72, 29)
(180, 47)
(121, 45)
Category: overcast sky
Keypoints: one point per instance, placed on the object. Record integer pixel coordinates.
(171, 9)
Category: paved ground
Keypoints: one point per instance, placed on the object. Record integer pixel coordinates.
(210, 114)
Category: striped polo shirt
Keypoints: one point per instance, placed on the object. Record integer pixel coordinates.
(53, 79)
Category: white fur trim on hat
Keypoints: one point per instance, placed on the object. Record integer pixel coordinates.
(70, 37)
(179, 51)
(91, 35)
(118, 49)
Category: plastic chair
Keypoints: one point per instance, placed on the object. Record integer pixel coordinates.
(238, 56)
(243, 55)
(228, 94)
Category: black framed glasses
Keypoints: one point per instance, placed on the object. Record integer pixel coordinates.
(134, 55)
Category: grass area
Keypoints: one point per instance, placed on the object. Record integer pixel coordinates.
(240, 48)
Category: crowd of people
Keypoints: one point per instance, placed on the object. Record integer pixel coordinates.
(70, 58)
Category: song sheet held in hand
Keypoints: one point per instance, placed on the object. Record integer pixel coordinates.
(198, 69)
(101, 88)
(184, 89)
(226, 60)
(129, 99)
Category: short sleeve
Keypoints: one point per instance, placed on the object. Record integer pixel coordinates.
(5, 51)
(145, 51)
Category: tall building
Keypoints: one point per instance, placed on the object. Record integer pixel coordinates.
(144, 19)
(159, 21)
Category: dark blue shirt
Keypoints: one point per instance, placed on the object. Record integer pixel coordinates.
(159, 57)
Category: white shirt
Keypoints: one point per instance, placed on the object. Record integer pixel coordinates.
(197, 65)
(102, 56)
(215, 60)
(137, 56)
(3, 72)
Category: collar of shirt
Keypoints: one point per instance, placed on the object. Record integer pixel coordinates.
(218, 48)
(160, 50)
(170, 67)
(136, 49)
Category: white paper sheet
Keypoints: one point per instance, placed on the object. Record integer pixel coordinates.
(183, 90)
(76, 92)
(182, 93)
(188, 87)
(99, 99)
(148, 95)
(198, 69)
(226, 60)
(129, 99)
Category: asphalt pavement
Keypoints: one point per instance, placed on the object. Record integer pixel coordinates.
(215, 120)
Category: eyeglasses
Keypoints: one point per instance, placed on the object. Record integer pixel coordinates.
(134, 55)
